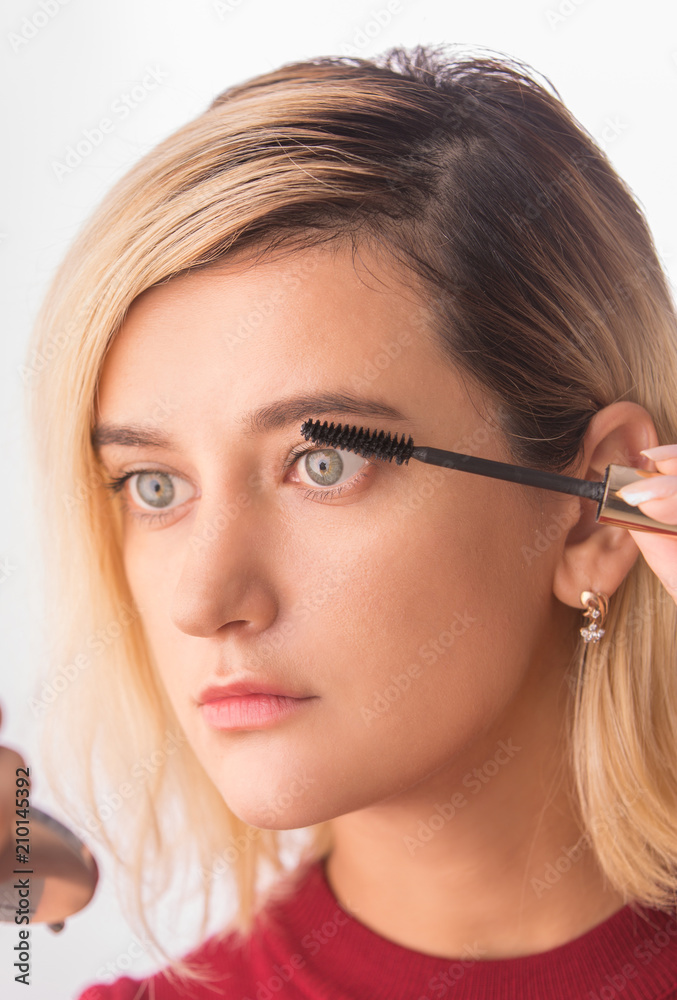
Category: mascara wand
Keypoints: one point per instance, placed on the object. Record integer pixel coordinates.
(611, 508)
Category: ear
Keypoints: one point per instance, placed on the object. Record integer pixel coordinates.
(599, 556)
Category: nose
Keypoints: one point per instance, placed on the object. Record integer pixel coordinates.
(227, 574)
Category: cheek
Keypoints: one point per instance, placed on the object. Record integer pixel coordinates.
(433, 633)
(152, 583)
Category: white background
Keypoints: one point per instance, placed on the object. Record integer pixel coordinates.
(614, 63)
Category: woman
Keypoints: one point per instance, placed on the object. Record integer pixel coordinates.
(480, 799)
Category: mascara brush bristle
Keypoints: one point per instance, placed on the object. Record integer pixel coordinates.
(370, 444)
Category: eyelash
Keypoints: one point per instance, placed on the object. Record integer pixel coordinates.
(116, 485)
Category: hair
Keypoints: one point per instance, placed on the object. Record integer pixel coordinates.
(542, 285)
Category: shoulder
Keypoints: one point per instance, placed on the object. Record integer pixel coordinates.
(222, 961)
(237, 964)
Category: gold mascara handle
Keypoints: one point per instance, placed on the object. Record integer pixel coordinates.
(614, 510)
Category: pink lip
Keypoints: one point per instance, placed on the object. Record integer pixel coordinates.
(216, 692)
(250, 711)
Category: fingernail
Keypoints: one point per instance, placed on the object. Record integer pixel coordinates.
(660, 452)
(634, 499)
(640, 492)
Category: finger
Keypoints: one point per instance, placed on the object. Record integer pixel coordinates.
(660, 552)
(651, 489)
(664, 509)
(664, 458)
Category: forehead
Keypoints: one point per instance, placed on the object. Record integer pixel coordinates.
(235, 336)
(315, 299)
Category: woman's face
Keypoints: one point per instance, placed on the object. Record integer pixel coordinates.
(412, 611)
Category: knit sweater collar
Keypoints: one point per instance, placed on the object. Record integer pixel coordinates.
(631, 955)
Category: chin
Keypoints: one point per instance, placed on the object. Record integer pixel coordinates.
(260, 815)
(278, 808)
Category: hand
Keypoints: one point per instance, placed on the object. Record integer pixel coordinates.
(70, 875)
(656, 497)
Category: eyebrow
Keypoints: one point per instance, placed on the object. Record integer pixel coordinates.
(270, 417)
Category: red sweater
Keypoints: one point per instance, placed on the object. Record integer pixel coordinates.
(312, 949)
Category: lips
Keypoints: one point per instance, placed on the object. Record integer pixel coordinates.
(217, 692)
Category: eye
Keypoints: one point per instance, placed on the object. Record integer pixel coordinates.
(156, 494)
(153, 487)
(330, 467)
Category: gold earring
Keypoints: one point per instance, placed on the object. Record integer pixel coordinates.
(596, 609)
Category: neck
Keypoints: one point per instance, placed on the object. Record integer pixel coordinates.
(486, 855)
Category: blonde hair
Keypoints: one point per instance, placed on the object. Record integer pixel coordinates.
(544, 288)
